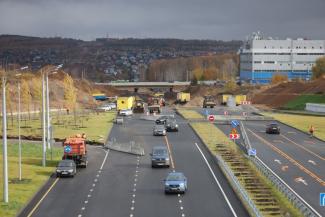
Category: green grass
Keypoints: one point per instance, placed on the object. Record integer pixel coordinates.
(299, 103)
(302, 122)
(190, 114)
(95, 125)
(33, 174)
(212, 136)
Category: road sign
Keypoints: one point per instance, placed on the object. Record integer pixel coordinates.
(322, 199)
(67, 149)
(225, 112)
(233, 131)
(211, 118)
(244, 114)
(246, 102)
(206, 112)
(234, 136)
(252, 152)
(234, 123)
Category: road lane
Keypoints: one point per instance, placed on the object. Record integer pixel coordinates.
(65, 196)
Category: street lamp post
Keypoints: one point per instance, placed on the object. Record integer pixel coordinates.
(19, 135)
(4, 142)
(43, 122)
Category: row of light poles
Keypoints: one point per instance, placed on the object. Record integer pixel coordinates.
(45, 124)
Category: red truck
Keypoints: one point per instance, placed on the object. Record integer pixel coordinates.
(75, 149)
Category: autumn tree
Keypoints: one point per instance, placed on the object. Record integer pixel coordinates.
(230, 86)
(26, 95)
(278, 78)
(319, 68)
(70, 95)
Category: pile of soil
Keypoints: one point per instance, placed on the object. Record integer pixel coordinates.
(277, 96)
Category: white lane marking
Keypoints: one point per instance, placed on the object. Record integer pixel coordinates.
(101, 167)
(183, 215)
(79, 215)
(83, 208)
(86, 201)
(215, 178)
(88, 195)
(91, 190)
(312, 162)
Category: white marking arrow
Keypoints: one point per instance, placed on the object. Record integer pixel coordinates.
(300, 179)
(278, 161)
(312, 162)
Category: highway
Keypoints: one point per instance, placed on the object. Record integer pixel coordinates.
(120, 184)
(293, 156)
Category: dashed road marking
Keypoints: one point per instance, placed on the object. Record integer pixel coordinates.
(293, 161)
(304, 148)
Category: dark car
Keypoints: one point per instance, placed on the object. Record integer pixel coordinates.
(175, 182)
(162, 120)
(171, 125)
(160, 157)
(159, 130)
(66, 168)
(273, 128)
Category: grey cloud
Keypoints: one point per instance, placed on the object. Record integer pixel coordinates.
(207, 19)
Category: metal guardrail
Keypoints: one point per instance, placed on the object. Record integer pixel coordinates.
(293, 197)
(238, 187)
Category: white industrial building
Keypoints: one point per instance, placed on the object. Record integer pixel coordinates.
(261, 58)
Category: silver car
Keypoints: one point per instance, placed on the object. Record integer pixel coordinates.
(175, 182)
(160, 157)
(159, 130)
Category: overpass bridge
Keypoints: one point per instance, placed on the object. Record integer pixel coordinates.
(146, 84)
(135, 86)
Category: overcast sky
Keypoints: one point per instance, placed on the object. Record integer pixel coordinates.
(187, 19)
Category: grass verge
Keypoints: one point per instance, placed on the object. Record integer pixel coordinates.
(302, 122)
(299, 103)
(33, 174)
(94, 125)
(190, 114)
(268, 200)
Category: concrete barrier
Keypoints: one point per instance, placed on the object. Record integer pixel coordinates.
(313, 107)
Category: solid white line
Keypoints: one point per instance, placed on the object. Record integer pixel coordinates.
(215, 178)
(101, 167)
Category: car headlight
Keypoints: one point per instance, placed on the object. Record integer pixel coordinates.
(58, 171)
(164, 131)
(70, 171)
(181, 185)
(167, 159)
(176, 125)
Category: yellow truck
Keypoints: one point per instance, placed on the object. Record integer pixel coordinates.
(183, 97)
(238, 98)
(125, 103)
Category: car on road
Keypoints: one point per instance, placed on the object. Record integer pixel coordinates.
(171, 125)
(159, 130)
(273, 128)
(175, 182)
(119, 120)
(162, 119)
(126, 112)
(112, 105)
(66, 168)
(104, 108)
(160, 157)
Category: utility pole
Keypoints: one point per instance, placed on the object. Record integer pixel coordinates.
(47, 112)
(43, 122)
(4, 142)
(19, 136)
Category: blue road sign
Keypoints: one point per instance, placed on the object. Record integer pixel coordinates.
(252, 152)
(322, 199)
(67, 149)
(234, 123)
(206, 112)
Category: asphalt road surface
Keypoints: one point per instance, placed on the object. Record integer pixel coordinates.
(293, 156)
(120, 184)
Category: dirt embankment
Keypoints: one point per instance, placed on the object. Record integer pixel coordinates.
(278, 95)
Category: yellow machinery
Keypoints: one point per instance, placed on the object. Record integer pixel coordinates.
(125, 103)
(183, 98)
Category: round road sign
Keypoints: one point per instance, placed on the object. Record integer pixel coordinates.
(67, 149)
(211, 118)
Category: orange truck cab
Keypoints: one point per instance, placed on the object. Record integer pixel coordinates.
(75, 149)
